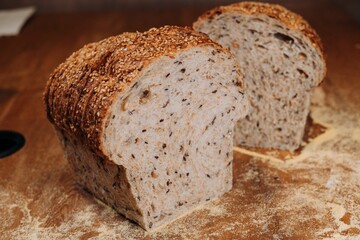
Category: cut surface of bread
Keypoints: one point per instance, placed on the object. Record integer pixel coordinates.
(282, 61)
(155, 140)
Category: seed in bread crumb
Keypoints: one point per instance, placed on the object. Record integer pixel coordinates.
(154, 174)
(167, 102)
(275, 69)
(213, 121)
(125, 104)
(145, 96)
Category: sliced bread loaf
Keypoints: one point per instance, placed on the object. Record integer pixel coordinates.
(146, 120)
(282, 59)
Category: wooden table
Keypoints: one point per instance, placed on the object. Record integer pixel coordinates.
(310, 196)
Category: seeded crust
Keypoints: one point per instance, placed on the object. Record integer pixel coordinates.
(290, 19)
(80, 91)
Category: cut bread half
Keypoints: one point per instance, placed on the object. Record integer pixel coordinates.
(282, 60)
(146, 120)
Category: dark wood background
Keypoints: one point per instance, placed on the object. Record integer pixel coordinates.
(38, 196)
(352, 6)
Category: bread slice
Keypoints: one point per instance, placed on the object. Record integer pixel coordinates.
(282, 59)
(146, 120)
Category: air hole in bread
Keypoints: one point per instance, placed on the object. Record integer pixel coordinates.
(302, 56)
(303, 74)
(284, 38)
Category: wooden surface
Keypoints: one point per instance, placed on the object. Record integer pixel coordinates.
(313, 195)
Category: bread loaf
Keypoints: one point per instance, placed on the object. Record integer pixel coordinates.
(282, 59)
(146, 120)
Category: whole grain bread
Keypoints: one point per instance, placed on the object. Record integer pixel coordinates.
(282, 59)
(146, 120)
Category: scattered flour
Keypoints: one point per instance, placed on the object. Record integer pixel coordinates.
(312, 195)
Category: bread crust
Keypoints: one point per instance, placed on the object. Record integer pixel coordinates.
(81, 90)
(290, 19)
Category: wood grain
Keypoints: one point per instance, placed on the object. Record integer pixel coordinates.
(314, 196)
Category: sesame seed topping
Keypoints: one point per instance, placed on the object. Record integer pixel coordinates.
(81, 90)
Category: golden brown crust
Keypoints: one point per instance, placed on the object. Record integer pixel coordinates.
(290, 19)
(81, 90)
